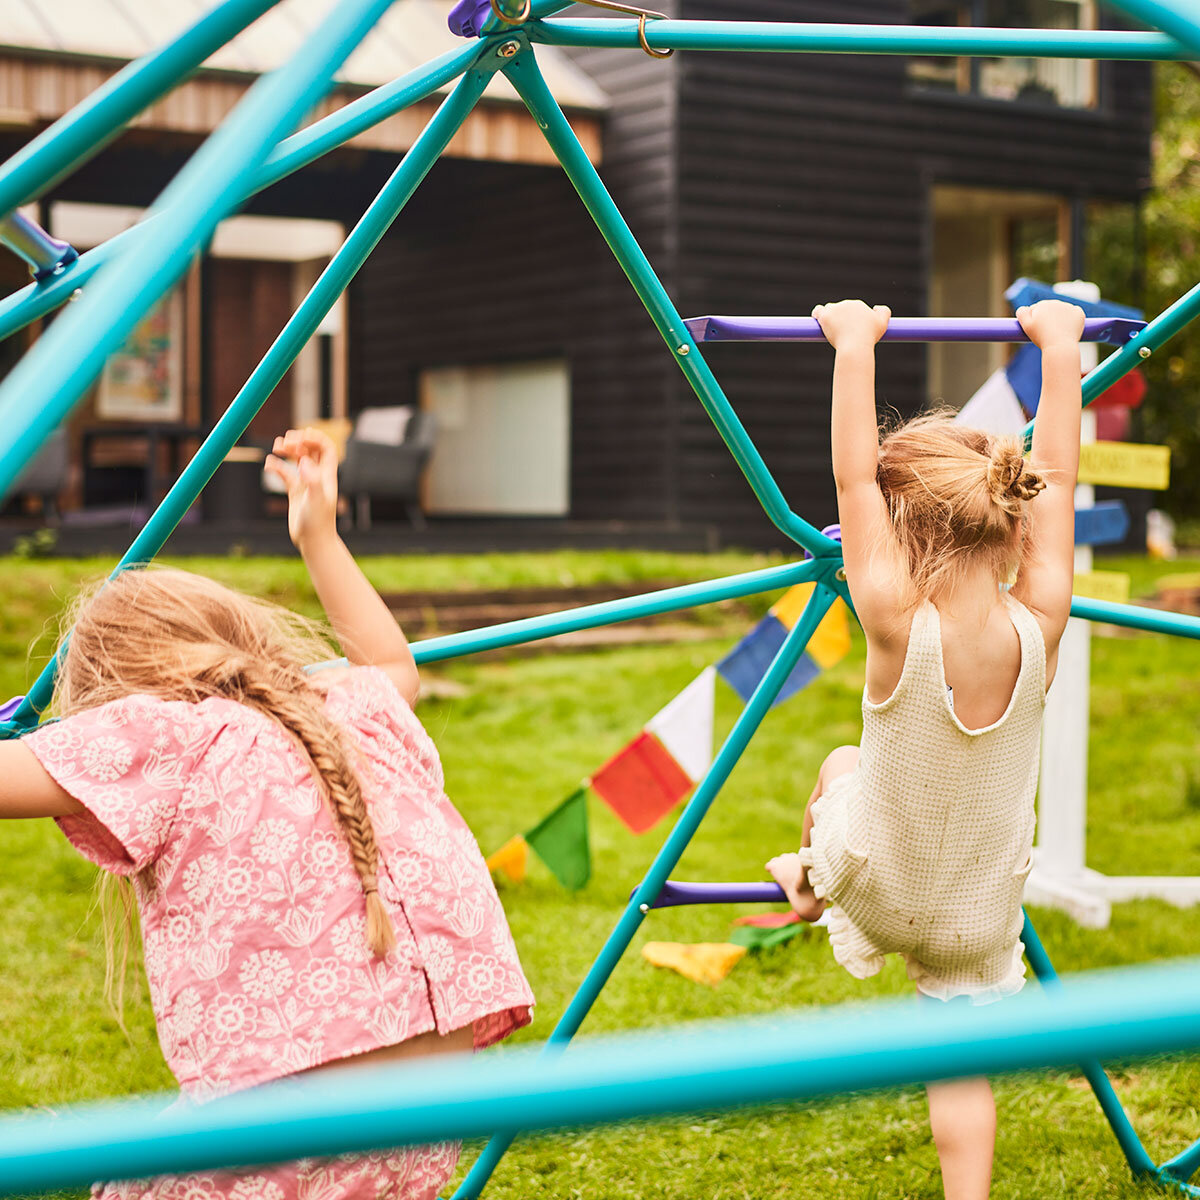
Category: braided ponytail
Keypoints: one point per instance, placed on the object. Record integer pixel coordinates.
(283, 693)
(169, 633)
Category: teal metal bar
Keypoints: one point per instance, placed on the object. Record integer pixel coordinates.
(1178, 18)
(40, 299)
(515, 633)
(295, 334)
(28, 240)
(1182, 1167)
(865, 39)
(47, 383)
(84, 131)
(1140, 1163)
(612, 612)
(527, 79)
(1134, 616)
(1164, 327)
(1124, 1014)
(664, 862)
(362, 114)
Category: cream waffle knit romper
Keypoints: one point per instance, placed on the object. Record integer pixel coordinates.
(923, 850)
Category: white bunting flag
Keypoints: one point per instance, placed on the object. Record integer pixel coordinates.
(685, 726)
(994, 408)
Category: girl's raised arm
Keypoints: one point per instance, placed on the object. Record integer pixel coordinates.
(1046, 578)
(367, 631)
(27, 790)
(871, 554)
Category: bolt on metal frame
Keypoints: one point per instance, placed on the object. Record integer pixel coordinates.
(247, 154)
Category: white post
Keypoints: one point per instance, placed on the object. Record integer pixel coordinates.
(1062, 792)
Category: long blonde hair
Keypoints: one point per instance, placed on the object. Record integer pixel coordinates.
(178, 636)
(958, 498)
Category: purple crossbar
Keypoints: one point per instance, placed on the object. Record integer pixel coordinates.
(674, 894)
(1115, 330)
(9, 708)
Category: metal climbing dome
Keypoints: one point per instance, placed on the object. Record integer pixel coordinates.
(1142, 1011)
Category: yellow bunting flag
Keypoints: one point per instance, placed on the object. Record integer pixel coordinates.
(1125, 464)
(1112, 586)
(703, 962)
(510, 859)
(830, 643)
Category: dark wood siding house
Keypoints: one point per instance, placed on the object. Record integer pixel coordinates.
(756, 184)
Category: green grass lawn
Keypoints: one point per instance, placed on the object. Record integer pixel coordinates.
(519, 739)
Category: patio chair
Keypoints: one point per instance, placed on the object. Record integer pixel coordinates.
(386, 453)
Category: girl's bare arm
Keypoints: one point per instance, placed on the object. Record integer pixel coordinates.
(367, 631)
(1047, 573)
(871, 555)
(26, 789)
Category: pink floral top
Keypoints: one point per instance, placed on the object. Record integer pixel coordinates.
(253, 918)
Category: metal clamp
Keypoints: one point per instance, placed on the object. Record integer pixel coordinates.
(520, 19)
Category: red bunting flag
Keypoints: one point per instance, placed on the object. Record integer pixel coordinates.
(642, 783)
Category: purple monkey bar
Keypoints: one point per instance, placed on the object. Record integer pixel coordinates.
(674, 894)
(1114, 330)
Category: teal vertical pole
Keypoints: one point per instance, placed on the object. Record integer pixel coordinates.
(93, 123)
(295, 334)
(1140, 1163)
(48, 382)
(527, 79)
(664, 862)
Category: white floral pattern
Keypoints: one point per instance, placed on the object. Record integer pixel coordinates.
(415, 1173)
(253, 918)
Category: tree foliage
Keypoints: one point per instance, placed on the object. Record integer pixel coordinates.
(1170, 414)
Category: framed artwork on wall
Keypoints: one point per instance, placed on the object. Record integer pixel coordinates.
(143, 380)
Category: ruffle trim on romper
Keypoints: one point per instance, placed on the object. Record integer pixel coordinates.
(938, 988)
(832, 865)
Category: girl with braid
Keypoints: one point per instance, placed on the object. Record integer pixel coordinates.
(309, 898)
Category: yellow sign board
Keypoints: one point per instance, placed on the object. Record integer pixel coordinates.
(1125, 464)
(1112, 586)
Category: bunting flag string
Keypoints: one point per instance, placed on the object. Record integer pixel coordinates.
(647, 778)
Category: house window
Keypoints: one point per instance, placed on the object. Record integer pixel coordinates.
(503, 439)
(1061, 82)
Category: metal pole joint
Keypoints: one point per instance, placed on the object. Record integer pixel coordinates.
(46, 255)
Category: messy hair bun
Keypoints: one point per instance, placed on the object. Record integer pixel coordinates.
(957, 498)
(1010, 482)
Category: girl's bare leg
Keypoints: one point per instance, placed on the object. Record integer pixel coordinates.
(962, 1115)
(786, 869)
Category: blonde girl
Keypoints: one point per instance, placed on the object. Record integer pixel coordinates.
(309, 898)
(919, 838)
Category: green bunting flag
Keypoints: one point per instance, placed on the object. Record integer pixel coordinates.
(753, 938)
(560, 840)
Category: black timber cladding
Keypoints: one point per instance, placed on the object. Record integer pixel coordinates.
(805, 178)
(755, 183)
